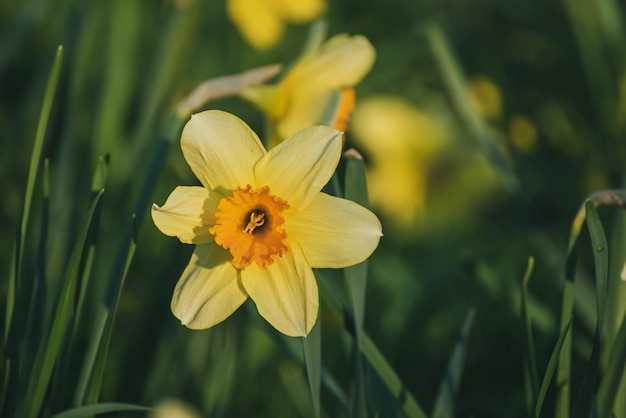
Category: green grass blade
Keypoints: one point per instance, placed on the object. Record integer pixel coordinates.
(338, 308)
(53, 337)
(390, 378)
(587, 393)
(530, 360)
(444, 403)
(613, 373)
(601, 258)
(552, 363)
(456, 85)
(101, 408)
(356, 281)
(98, 182)
(93, 366)
(312, 349)
(563, 375)
(92, 372)
(19, 288)
(38, 146)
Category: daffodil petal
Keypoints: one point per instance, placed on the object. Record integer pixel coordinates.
(209, 290)
(342, 61)
(188, 213)
(298, 168)
(257, 22)
(221, 150)
(299, 11)
(334, 232)
(306, 107)
(285, 294)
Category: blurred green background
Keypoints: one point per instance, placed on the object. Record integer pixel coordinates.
(486, 173)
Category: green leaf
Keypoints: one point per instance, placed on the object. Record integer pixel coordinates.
(587, 393)
(356, 282)
(19, 289)
(601, 258)
(312, 349)
(449, 386)
(92, 371)
(613, 373)
(456, 85)
(35, 159)
(98, 182)
(402, 395)
(530, 360)
(101, 408)
(552, 363)
(93, 366)
(53, 336)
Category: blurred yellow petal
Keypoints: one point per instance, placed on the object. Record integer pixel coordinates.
(188, 213)
(334, 232)
(301, 99)
(341, 61)
(298, 168)
(390, 127)
(485, 97)
(299, 11)
(257, 22)
(173, 408)
(221, 150)
(305, 110)
(270, 99)
(209, 289)
(522, 132)
(285, 294)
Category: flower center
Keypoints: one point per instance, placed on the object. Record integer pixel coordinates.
(249, 224)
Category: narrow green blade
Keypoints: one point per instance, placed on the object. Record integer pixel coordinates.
(92, 372)
(356, 282)
(587, 393)
(20, 288)
(552, 363)
(601, 258)
(53, 337)
(444, 403)
(390, 378)
(613, 373)
(530, 360)
(312, 348)
(101, 408)
(38, 146)
(98, 182)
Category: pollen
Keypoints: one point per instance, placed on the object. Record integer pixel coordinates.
(250, 225)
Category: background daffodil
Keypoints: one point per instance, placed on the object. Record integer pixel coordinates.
(322, 80)
(260, 222)
(262, 22)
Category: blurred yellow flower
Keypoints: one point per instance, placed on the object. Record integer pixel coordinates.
(485, 97)
(417, 175)
(523, 133)
(262, 22)
(260, 223)
(401, 141)
(321, 80)
(173, 408)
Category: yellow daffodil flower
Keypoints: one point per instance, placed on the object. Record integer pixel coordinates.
(262, 22)
(260, 223)
(322, 79)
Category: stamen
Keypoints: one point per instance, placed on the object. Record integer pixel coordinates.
(257, 219)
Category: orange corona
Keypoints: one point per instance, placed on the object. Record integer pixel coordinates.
(250, 225)
(347, 101)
